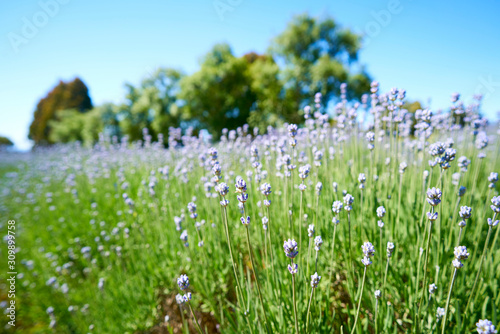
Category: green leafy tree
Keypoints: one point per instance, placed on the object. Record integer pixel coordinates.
(318, 56)
(152, 105)
(71, 125)
(269, 106)
(67, 126)
(219, 95)
(102, 119)
(65, 96)
(5, 143)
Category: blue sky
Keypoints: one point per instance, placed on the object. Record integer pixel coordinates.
(429, 48)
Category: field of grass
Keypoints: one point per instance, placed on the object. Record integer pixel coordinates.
(98, 232)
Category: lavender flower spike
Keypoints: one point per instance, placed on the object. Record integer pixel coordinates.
(183, 282)
(291, 248)
(485, 327)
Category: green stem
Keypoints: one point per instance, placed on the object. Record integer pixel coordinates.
(399, 201)
(385, 276)
(228, 239)
(359, 302)
(426, 258)
(184, 323)
(480, 266)
(453, 223)
(254, 269)
(316, 263)
(295, 304)
(448, 300)
(194, 317)
(308, 311)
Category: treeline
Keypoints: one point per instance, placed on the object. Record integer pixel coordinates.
(310, 56)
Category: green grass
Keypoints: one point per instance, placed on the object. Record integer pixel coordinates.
(140, 280)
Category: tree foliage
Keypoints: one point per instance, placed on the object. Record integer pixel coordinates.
(5, 142)
(66, 95)
(227, 91)
(218, 95)
(152, 105)
(318, 56)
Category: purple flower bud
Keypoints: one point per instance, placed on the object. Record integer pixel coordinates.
(495, 201)
(291, 248)
(216, 169)
(241, 185)
(293, 268)
(265, 221)
(317, 243)
(402, 167)
(390, 249)
(348, 200)
(465, 212)
(380, 212)
(304, 171)
(292, 130)
(319, 187)
(184, 238)
(222, 189)
(485, 327)
(434, 196)
(492, 223)
(366, 261)
(461, 253)
(179, 299)
(310, 231)
(457, 264)
(368, 249)
(315, 280)
(187, 297)
(242, 197)
(245, 221)
(191, 207)
(337, 207)
(265, 188)
(183, 282)
(213, 152)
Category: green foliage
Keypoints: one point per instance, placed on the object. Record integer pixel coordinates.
(136, 251)
(152, 105)
(5, 142)
(67, 126)
(218, 95)
(269, 107)
(65, 96)
(72, 125)
(318, 55)
(310, 56)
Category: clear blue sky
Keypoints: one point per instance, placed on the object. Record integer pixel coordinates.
(430, 48)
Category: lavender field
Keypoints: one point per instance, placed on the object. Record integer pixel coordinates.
(370, 219)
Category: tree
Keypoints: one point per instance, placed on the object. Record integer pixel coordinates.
(318, 56)
(66, 126)
(66, 95)
(219, 95)
(269, 108)
(152, 105)
(71, 125)
(5, 143)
